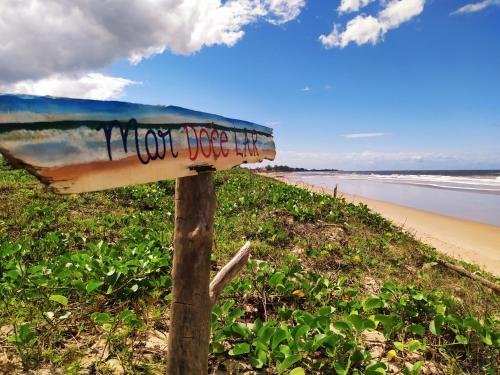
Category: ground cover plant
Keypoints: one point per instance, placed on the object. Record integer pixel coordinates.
(332, 288)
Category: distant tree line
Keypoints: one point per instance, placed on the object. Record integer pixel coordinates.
(286, 168)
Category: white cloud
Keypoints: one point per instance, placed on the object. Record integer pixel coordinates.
(365, 29)
(328, 87)
(43, 39)
(475, 7)
(363, 135)
(348, 6)
(282, 11)
(306, 88)
(85, 86)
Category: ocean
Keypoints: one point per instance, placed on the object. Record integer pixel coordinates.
(469, 194)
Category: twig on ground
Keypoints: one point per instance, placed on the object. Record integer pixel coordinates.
(473, 276)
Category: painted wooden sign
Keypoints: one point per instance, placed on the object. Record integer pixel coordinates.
(78, 145)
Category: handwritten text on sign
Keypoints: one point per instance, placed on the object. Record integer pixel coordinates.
(86, 145)
(201, 141)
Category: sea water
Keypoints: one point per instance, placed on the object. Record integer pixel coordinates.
(470, 195)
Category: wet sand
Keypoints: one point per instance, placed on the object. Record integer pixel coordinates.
(462, 239)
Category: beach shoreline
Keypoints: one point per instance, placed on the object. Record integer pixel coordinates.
(466, 240)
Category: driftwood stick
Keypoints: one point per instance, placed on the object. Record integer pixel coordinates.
(464, 272)
(228, 272)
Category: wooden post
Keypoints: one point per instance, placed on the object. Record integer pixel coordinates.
(189, 332)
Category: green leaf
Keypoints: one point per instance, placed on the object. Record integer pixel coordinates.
(472, 323)
(435, 325)
(257, 325)
(240, 329)
(418, 296)
(93, 285)
(289, 361)
(297, 371)
(370, 323)
(486, 337)
(303, 317)
(278, 337)
(399, 346)
(440, 309)
(343, 368)
(300, 331)
(462, 339)
(325, 311)
(13, 274)
(417, 329)
(239, 349)
(376, 369)
(276, 279)
(415, 345)
(130, 319)
(235, 314)
(415, 369)
(390, 322)
(373, 303)
(25, 335)
(318, 340)
(216, 347)
(265, 333)
(59, 299)
(260, 345)
(356, 321)
(285, 350)
(331, 339)
(341, 326)
(101, 318)
(284, 313)
(227, 305)
(259, 360)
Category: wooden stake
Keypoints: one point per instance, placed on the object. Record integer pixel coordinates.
(228, 272)
(189, 332)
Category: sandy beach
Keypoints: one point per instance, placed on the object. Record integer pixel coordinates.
(462, 239)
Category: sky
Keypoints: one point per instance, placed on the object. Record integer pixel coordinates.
(347, 84)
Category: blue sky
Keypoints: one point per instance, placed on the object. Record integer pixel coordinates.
(424, 94)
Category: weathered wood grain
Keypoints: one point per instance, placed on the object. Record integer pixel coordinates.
(86, 145)
(189, 331)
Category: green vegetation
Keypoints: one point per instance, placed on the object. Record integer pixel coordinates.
(332, 287)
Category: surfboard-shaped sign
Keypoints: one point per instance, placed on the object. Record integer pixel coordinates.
(77, 145)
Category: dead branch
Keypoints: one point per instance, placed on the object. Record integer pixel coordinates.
(228, 272)
(464, 272)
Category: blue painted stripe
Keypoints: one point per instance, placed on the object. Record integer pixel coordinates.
(84, 109)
